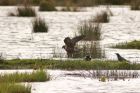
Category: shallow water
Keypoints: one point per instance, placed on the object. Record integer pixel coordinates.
(18, 41)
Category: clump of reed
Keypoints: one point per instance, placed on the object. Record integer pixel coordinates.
(135, 5)
(92, 31)
(24, 11)
(91, 48)
(47, 5)
(36, 76)
(39, 25)
(102, 17)
(128, 45)
(14, 88)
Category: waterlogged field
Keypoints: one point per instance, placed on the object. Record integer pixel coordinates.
(18, 41)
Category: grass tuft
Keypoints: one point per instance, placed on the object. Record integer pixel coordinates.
(14, 88)
(47, 5)
(103, 17)
(24, 11)
(92, 31)
(128, 45)
(92, 48)
(39, 25)
(38, 76)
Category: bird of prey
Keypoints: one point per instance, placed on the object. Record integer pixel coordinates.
(70, 44)
(120, 58)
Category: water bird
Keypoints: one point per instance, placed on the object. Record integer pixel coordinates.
(70, 44)
(88, 58)
(120, 58)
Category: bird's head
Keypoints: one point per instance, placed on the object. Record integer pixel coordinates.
(117, 54)
(64, 47)
(67, 39)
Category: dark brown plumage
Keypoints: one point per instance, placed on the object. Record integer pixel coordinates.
(70, 44)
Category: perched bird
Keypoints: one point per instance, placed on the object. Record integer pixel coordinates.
(120, 58)
(70, 44)
(88, 58)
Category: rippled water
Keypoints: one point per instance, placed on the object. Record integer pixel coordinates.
(17, 39)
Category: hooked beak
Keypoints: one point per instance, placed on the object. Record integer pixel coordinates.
(63, 47)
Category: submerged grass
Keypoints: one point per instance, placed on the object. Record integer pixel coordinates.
(37, 76)
(104, 75)
(69, 64)
(128, 45)
(14, 88)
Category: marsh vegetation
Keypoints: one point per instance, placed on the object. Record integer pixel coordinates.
(69, 64)
(135, 5)
(24, 11)
(39, 25)
(10, 83)
(47, 5)
(128, 45)
(35, 76)
(14, 88)
(92, 31)
(102, 17)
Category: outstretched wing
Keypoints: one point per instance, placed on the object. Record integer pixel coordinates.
(77, 38)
